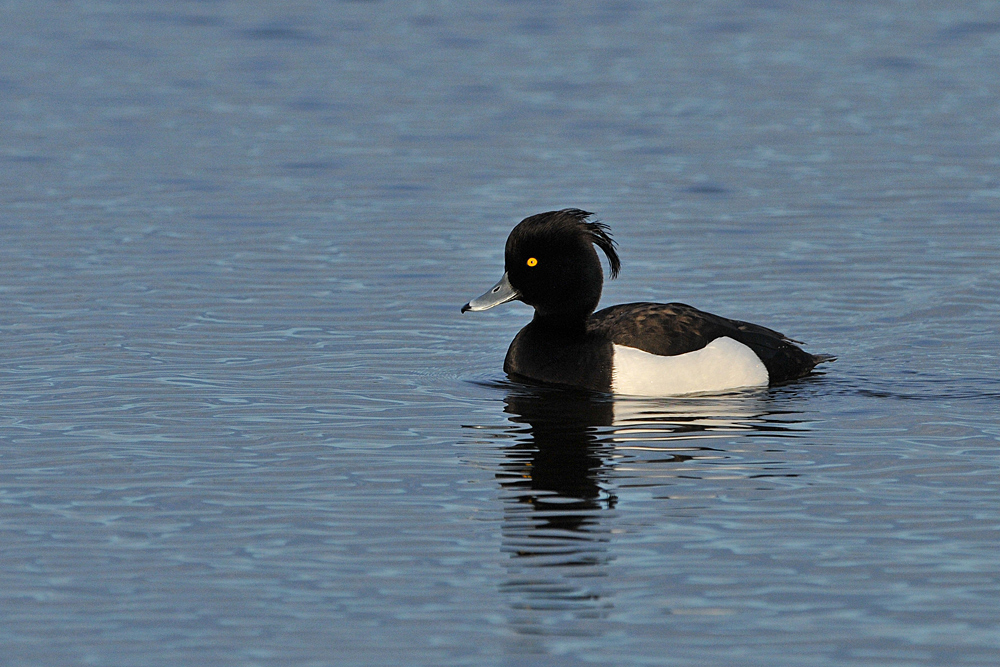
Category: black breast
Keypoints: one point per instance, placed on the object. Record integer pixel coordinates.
(577, 358)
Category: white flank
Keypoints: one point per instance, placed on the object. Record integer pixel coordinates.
(722, 364)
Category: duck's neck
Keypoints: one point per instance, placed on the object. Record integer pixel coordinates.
(561, 324)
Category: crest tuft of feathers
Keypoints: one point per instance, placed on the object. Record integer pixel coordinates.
(599, 233)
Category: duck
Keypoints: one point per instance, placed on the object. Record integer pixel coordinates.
(642, 349)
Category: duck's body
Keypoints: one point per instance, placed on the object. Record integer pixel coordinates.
(635, 348)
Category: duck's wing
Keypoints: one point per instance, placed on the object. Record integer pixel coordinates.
(669, 329)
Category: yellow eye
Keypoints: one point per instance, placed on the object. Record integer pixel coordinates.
(532, 261)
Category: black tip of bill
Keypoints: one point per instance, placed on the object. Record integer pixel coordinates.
(502, 292)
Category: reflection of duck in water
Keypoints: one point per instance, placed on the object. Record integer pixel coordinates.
(636, 348)
(566, 453)
(573, 436)
(573, 453)
(556, 504)
(560, 461)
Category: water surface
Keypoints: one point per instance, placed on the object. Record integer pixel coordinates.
(242, 421)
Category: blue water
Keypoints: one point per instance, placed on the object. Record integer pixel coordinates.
(242, 421)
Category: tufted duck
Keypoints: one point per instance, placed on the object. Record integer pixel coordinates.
(651, 349)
